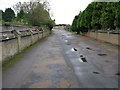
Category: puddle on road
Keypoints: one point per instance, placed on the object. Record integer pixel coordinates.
(83, 59)
(96, 72)
(81, 55)
(102, 54)
(88, 48)
(74, 49)
(80, 60)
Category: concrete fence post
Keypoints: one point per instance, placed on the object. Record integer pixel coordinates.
(18, 35)
(108, 36)
(31, 33)
(96, 33)
(39, 34)
(42, 32)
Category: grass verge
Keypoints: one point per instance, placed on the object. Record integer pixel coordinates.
(9, 62)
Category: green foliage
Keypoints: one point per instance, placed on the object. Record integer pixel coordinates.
(74, 24)
(88, 16)
(8, 15)
(21, 16)
(6, 23)
(1, 14)
(97, 7)
(68, 27)
(117, 15)
(98, 15)
(108, 16)
(34, 13)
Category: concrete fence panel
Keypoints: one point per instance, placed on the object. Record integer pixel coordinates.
(103, 36)
(114, 38)
(106, 37)
(25, 42)
(9, 48)
(13, 46)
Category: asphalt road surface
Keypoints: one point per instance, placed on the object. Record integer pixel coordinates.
(65, 60)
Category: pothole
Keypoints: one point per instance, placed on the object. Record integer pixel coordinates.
(96, 72)
(102, 54)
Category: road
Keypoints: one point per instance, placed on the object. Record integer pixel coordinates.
(65, 60)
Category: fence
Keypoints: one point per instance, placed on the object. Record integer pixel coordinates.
(105, 36)
(13, 42)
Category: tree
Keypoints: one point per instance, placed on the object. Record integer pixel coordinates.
(1, 14)
(117, 15)
(21, 17)
(36, 13)
(88, 16)
(9, 15)
(108, 16)
(75, 24)
(96, 14)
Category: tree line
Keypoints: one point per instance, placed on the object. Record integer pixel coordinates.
(29, 13)
(98, 15)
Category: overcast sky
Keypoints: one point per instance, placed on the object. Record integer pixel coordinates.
(63, 10)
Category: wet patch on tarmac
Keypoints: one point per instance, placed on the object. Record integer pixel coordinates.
(88, 48)
(102, 54)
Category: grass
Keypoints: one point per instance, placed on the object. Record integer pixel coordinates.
(0, 22)
(71, 31)
(9, 62)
